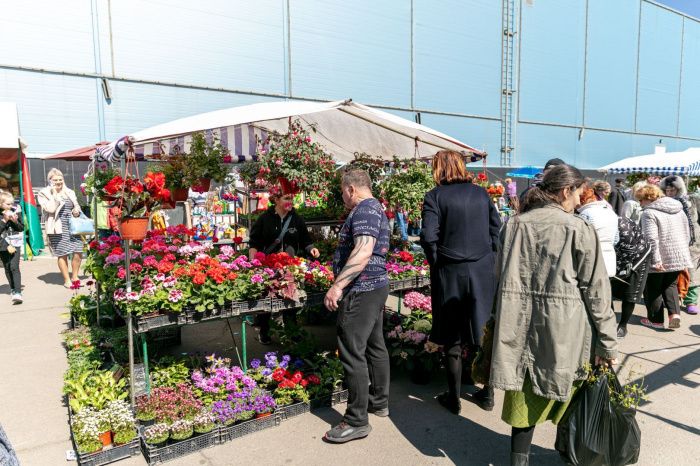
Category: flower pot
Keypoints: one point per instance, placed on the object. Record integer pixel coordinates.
(179, 194)
(158, 445)
(261, 415)
(202, 186)
(419, 375)
(147, 423)
(106, 438)
(133, 228)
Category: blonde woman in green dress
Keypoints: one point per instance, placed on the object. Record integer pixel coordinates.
(553, 297)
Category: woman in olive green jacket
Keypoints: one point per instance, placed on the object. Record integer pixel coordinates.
(553, 297)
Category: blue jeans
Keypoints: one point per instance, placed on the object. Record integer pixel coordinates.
(401, 222)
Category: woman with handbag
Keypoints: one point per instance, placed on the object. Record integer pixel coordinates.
(553, 307)
(280, 229)
(11, 239)
(58, 205)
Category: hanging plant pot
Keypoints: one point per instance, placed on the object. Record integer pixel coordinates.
(179, 194)
(106, 438)
(133, 228)
(202, 186)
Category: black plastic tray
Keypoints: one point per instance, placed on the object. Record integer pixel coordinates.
(155, 455)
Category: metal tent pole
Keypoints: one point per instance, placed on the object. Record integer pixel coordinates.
(129, 322)
(21, 199)
(94, 203)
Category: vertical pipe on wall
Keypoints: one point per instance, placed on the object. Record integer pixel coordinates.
(287, 44)
(98, 69)
(680, 80)
(636, 87)
(111, 38)
(413, 56)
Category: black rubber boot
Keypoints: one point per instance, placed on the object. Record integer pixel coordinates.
(519, 459)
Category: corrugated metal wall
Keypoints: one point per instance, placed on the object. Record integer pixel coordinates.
(626, 71)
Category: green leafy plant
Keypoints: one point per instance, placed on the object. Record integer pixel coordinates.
(630, 397)
(94, 389)
(204, 160)
(373, 165)
(406, 187)
(157, 433)
(95, 180)
(169, 373)
(174, 168)
(124, 436)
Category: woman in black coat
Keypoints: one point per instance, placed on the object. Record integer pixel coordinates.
(460, 237)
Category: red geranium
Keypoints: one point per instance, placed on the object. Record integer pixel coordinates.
(406, 256)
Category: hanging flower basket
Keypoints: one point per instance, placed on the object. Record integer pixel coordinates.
(178, 194)
(202, 186)
(133, 228)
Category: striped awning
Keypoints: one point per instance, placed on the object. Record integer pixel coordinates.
(240, 141)
(682, 163)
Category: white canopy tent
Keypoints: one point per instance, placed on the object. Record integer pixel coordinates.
(682, 163)
(342, 127)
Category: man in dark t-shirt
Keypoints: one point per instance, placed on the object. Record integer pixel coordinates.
(359, 293)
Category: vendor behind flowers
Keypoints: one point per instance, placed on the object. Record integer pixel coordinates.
(280, 229)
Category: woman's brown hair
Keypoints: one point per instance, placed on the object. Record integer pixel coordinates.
(448, 167)
(554, 181)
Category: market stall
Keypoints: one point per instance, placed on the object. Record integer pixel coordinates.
(171, 277)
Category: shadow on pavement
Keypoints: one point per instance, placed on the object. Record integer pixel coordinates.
(51, 278)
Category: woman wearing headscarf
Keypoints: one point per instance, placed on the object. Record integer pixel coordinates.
(673, 186)
(553, 311)
(460, 235)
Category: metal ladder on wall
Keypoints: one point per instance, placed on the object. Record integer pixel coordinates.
(508, 90)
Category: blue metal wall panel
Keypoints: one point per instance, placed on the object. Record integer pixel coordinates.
(359, 49)
(458, 56)
(552, 36)
(539, 143)
(480, 134)
(689, 122)
(233, 44)
(659, 70)
(611, 68)
(140, 106)
(56, 113)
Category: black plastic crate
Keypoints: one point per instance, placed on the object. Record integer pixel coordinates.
(403, 284)
(249, 427)
(180, 448)
(254, 305)
(422, 280)
(194, 317)
(314, 299)
(293, 410)
(110, 454)
(277, 305)
(333, 399)
(144, 324)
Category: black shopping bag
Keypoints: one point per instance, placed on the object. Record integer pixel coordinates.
(597, 432)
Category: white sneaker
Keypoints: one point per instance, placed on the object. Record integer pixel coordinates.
(17, 298)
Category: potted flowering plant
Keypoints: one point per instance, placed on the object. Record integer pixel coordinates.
(136, 201)
(145, 411)
(292, 158)
(262, 402)
(204, 162)
(156, 435)
(173, 168)
(204, 422)
(86, 430)
(291, 388)
(122, 422)
(181, 429)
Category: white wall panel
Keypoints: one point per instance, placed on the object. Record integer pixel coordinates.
(358, 49)
(47, 34)
(139, 106)
(56, 113)
(235, 44)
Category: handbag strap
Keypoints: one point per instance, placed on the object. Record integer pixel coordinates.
(278, 240)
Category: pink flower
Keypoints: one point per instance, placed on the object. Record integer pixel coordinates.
(174, 296)
(257, 278)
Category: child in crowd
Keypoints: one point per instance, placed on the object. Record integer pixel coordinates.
(11, 239)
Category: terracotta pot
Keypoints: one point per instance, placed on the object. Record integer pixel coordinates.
(261, 415)
(203, 185)
(178, 194)
(133, 228)
(106, 438)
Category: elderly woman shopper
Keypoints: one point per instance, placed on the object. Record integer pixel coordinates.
(631, 209)
(674, 187)
(553, 308)
(460, 237)
(665, 227)
(58, 204)
(601, 215)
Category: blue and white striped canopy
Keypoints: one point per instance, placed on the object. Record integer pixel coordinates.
(682, 163)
